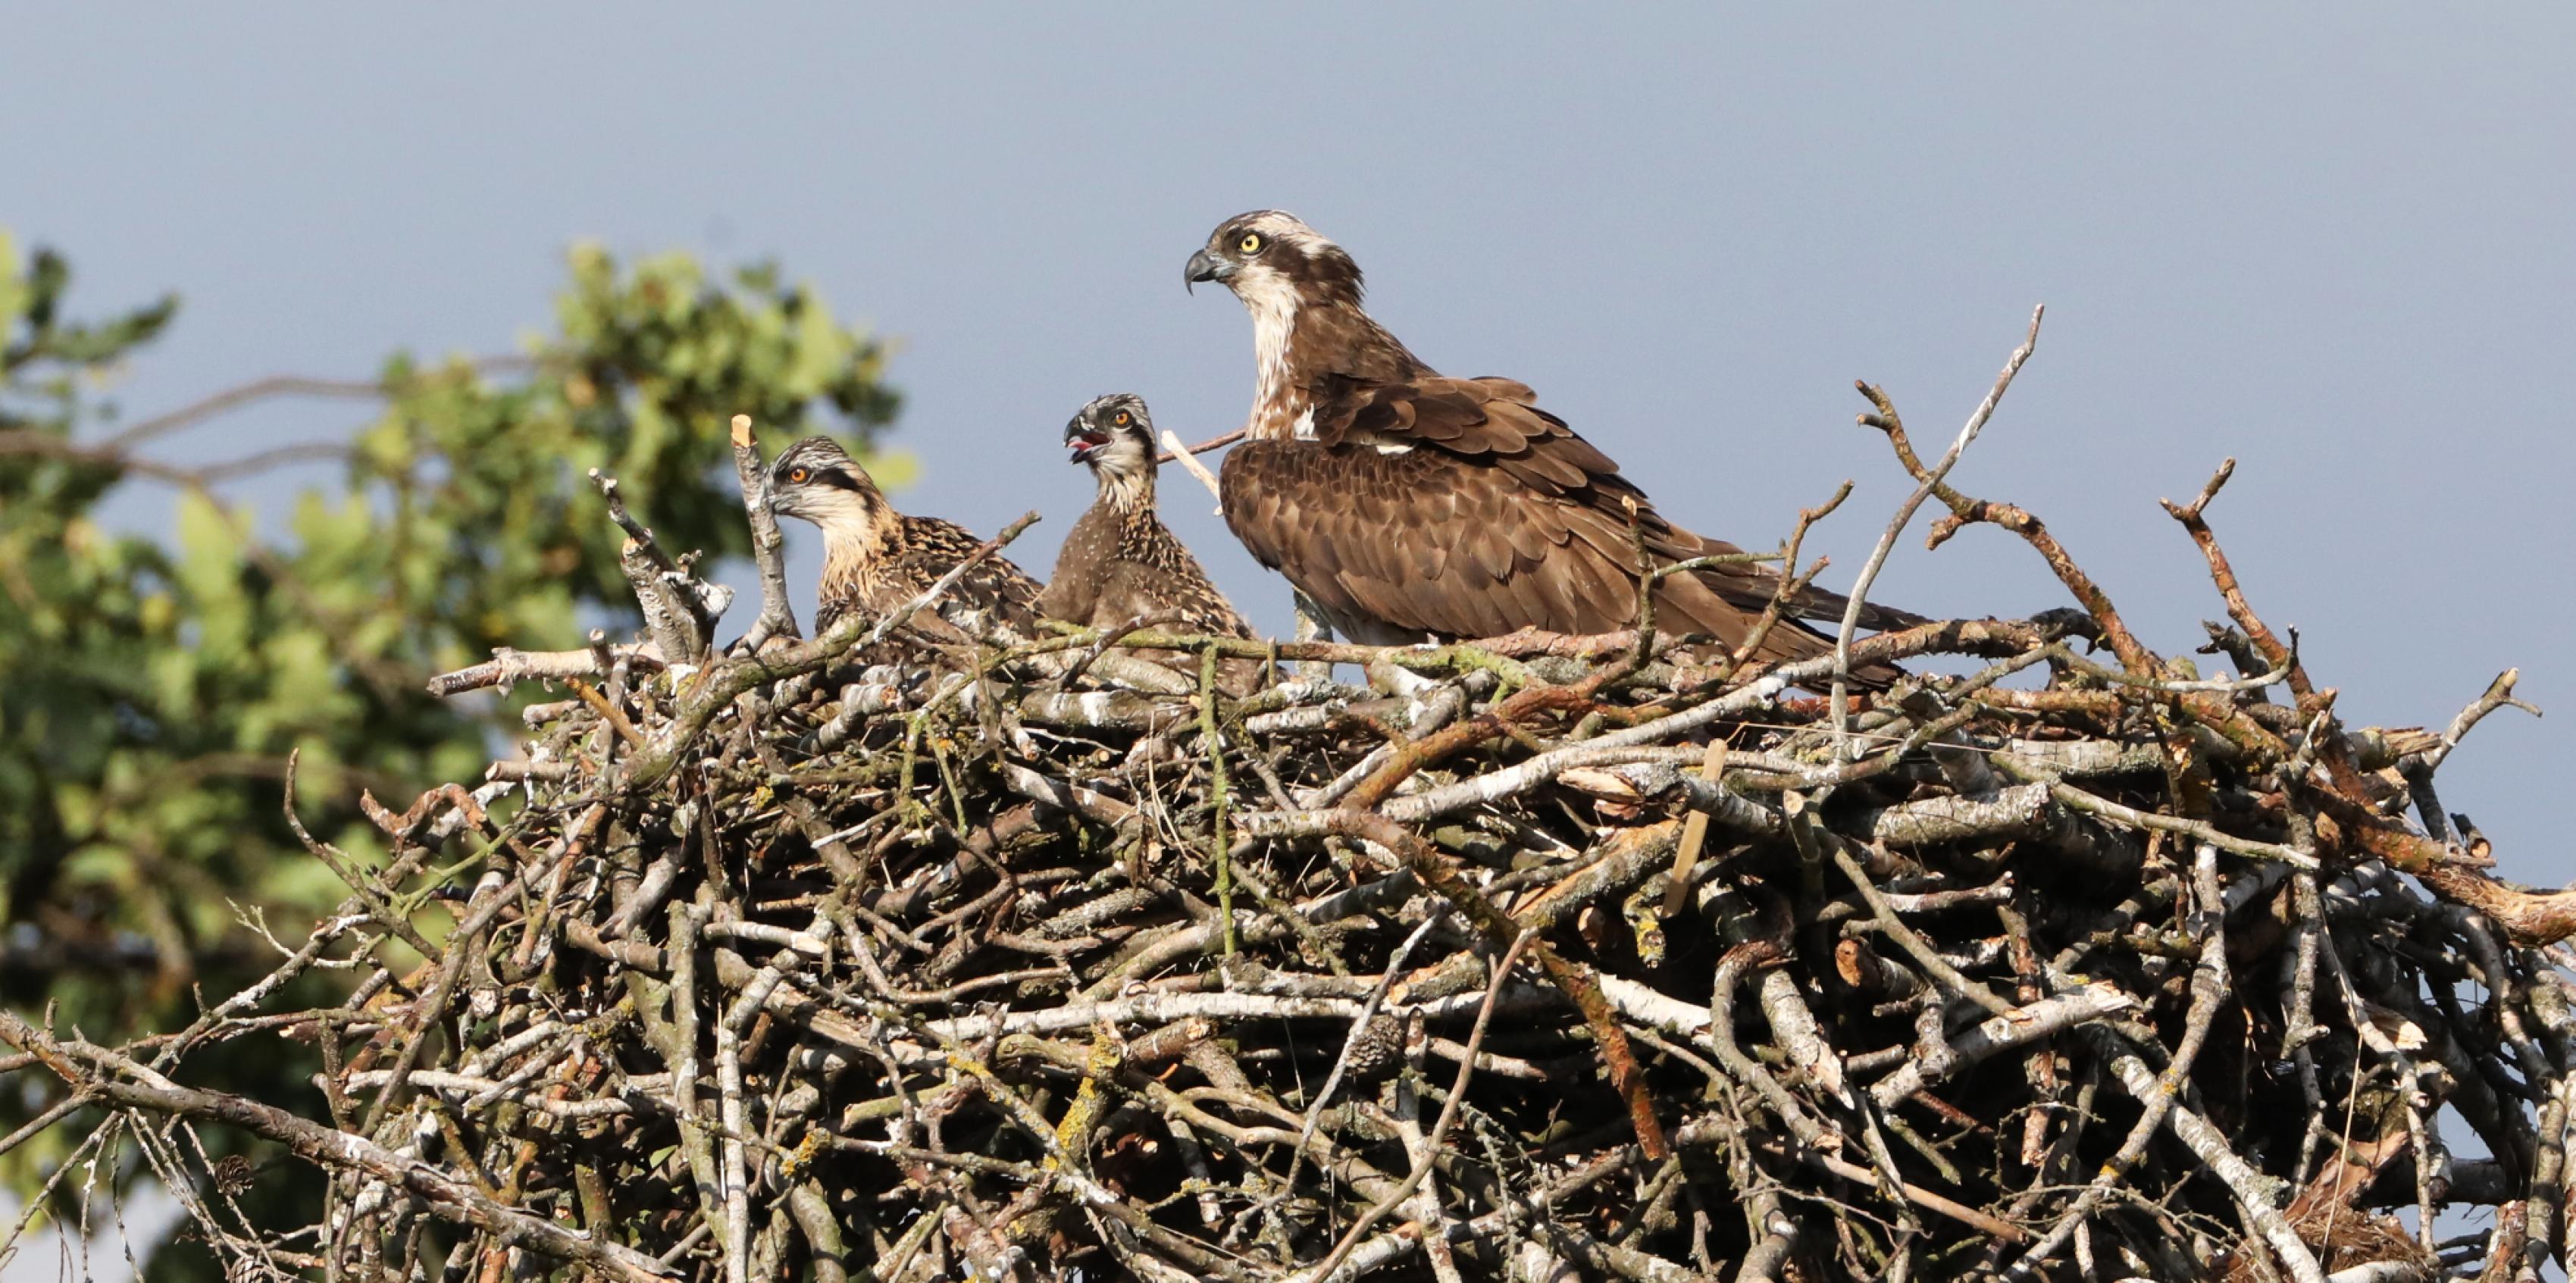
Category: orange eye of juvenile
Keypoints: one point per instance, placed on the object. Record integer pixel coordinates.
(797, 475)
(1122, 418)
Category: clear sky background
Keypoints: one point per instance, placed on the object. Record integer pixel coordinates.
(2337, 250)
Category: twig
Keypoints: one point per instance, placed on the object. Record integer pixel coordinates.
(296, 385)
(1188, 457)
(1172, 444)
(608, 712)
(1930, 481)
(2498, 694)
(509, 667)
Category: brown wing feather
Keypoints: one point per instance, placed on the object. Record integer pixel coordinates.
(1498, 419)
(1491, 514)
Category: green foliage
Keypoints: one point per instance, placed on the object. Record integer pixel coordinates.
(149, 696)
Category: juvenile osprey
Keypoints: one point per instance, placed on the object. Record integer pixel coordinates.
(876, 559)
(1406, 504)
(1120, 562)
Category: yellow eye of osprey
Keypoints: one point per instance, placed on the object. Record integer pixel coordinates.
(1122, 418)
(1251, 243)
(797, 475)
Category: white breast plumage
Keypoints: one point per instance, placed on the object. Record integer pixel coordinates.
(1274, 317)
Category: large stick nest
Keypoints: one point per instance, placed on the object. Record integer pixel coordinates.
(1544, 957)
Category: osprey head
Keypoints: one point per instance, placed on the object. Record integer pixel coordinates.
(817, 480)
(1269, 258)
(1112, 434)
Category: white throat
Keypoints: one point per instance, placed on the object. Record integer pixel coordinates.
(1124, 491)
(1272, 301)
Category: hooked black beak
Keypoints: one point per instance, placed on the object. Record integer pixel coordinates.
(1203, 266)
(1084, 441)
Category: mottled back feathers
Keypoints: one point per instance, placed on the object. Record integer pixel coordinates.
(993, 591)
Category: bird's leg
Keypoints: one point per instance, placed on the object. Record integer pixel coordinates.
(1311, 627)
(1310, 618)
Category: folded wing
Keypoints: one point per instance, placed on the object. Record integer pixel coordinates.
(1458, 508)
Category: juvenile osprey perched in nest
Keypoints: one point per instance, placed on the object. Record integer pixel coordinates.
(1120, 562)
(876, 559)
(1410, 505)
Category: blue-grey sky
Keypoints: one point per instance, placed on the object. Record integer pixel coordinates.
(2333, 245)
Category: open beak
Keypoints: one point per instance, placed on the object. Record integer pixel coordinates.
(1084, 442)
(1203, 266)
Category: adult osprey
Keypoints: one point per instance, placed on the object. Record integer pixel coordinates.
(1410, 505)
(877, 559)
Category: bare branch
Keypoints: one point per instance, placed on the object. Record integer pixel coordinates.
(768, 546)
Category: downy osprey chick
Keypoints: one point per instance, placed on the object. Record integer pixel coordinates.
(876, 559)
(1410, 505)
(1120, 562)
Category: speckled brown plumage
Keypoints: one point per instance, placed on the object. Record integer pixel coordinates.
(1120, 562)
(877, 559)
(1409, 505)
